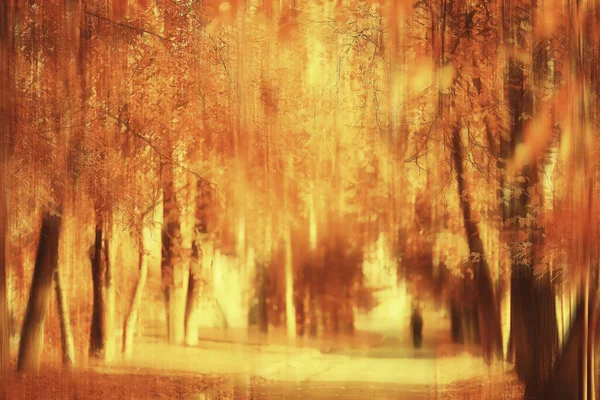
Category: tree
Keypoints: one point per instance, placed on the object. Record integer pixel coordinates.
(489, 320)
(534, 331)
(102, 282)
(132, 314)
(46, 263)
(172, 261)
(202, 208)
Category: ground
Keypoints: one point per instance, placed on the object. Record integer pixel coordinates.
(224, 365)
(153, 384)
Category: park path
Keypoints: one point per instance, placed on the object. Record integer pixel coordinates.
(383, 367)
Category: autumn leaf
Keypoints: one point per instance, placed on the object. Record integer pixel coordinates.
(537, 135)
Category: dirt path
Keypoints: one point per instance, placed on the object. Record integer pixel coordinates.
(227, 370)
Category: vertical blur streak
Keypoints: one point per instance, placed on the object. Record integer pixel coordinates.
(290, 309)
(313, 223)
(5, 54)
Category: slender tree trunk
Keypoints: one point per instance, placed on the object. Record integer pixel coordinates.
(313, 304)
(562, 321)
(263, 318)
(456, 328)
(172, 263)
(325, 315)
(99, 327)
(335, 317)
(201, 209)
(109, 294)
(348, 312)
(46, 261)
(191, 308)
(66, 334)
(132, 314)
(489, 320)
(290, 309)
(299, 305)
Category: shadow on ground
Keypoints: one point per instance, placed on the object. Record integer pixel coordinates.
(390, 347)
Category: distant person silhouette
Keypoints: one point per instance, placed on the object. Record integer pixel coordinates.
(416, 323)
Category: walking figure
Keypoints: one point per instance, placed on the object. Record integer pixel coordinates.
(416, 323)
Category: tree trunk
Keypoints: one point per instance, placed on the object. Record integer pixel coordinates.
(476, 326)
(567, 378)
(46, 261)
(335, 317)
(313, 304)
(132, 314)
(489, 321)
(263, 312)
(290, 308)
(534, 325)
(109, 293)
(202, 203)
(175, 307)
(300, 310)
(348, 313)
(100, 278)
(171, 262)
(534, 329)
(66, 334)
(191, 309)
(456, 329)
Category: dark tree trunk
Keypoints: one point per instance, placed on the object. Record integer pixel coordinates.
(100, 279)
(46, 261)
(534, 330)
(335, 317)
(533, 343)
(476, 326)
(348, 313)
(313, 303)
(456, 328)
(325, 317)
(566, 379)
(300, 314)
(470, 325)
(489, 319)
(191, 307)
(299, 297)
(172, 263)
(263, 310)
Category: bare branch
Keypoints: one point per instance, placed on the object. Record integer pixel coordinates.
(127, 26)
(165, 159)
